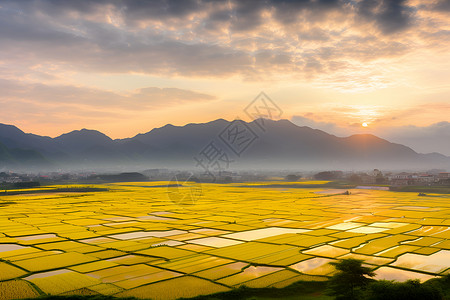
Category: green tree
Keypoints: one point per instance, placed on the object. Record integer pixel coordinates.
(349, 279)
(409, 290)
(441, 284)
(293, 177)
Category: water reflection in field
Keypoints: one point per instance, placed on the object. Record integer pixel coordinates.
(434, 263)
(388, 273)
(314, 266)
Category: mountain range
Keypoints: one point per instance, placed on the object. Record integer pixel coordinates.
(260, 144)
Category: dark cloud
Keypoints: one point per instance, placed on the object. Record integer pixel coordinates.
(105, 48)
(137, 10)
(442, 5)
(389, 15)
(287, 11)
(243, 15)
(246, 14)
(19, 27)
(201, 37)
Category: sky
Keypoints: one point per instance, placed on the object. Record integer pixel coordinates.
(125, 67)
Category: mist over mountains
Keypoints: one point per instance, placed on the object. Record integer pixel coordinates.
(275, 145)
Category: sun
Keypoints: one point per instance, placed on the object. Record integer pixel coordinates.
(364, 124)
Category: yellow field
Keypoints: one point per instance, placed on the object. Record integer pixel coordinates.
(134, 241)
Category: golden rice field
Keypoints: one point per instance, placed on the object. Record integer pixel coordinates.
(134, 241)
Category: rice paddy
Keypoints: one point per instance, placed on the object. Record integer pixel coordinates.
(132, 240)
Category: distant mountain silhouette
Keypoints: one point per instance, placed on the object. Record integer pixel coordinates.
(78, 141)
(274, 144)
(18, 158)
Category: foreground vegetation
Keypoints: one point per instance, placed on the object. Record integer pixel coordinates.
(353, 281)
(351, 287)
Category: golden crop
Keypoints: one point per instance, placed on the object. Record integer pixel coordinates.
(134, 241)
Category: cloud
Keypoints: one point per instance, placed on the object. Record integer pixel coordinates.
(105, 48)
(441, 6)
(328, 127)
(75, 97)
(427, 139)
(153, 96)
(53, 109)
(389, 15)
(338, 46)
(423, 139)
(306, 39)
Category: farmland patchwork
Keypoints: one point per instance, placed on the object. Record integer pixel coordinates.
(132, 240)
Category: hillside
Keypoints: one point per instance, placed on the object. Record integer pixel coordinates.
(278, 144)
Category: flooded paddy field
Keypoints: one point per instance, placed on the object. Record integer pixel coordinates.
(135, 240)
